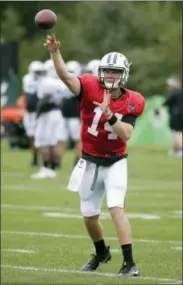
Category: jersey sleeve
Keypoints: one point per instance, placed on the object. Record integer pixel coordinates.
(139, 105)
(86, 84)
(130, 119)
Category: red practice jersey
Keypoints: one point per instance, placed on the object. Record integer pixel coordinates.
(97, 136)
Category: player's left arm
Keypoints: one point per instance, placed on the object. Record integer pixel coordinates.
(123, 128)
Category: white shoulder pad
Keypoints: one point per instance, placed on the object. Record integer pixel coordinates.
(29, 84)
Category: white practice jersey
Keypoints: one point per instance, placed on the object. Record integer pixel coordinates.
(67, 94)
(30, 84)
(70, 107)
(52, 87)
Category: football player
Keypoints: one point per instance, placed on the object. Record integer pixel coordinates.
(47, 132)
(108, 114)
(92, 67)
(31, 82)
(70, 110)
(173, 103)
(58, 97)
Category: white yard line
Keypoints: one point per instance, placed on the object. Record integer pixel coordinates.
(104, 216)
(133, 187)
(118, 250)
(83, 273)
(177, 213)
(14, 174)
(155, 181)
(113, 250)
(131, 180)
(62, 235)
(36, 208)
(18, 250)
(135, 192)
(38, 188)
(20, 187)
(76, 213)
(177, 248)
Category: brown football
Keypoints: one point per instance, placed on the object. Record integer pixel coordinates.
(45, 19)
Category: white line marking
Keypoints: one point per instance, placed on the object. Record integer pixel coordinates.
(113, 250)
(62, 215)
(34, 208)
(118, 250)
(15, 174)
(141, 187)
(76, 212)
(104, 216)
(61, 235)
(143, 216)
(32, 188)
(142, 181)
(18, 250)
(177, 213)
(82, 272)
(177, 248)
(135, 181)
(20, 187)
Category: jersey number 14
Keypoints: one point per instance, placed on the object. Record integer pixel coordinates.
(93, 129)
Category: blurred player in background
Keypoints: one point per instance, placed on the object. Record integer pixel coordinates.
(70, 110)
(63, 137)
(108, 114)
(92, 67)
(173, 103)
(49, 122)
(31, 83)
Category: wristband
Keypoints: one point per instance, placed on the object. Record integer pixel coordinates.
(109, 115)
(112, 120)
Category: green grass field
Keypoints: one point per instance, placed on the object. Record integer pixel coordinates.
(43, 239)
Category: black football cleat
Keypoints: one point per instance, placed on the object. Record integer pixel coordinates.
(129, 270)
(96, 260)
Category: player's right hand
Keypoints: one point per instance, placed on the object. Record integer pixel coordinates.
(52, 44)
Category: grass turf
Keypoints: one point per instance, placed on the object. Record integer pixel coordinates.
(58, 246)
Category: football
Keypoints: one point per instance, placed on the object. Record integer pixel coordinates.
(45, 19)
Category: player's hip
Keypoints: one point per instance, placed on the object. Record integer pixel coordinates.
(102, 160)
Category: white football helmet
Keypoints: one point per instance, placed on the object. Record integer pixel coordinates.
(74, 67)
(36, 67)
(116, 61)
(50, 69)
(92, 66)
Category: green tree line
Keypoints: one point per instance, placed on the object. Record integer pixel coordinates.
(148, 33)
